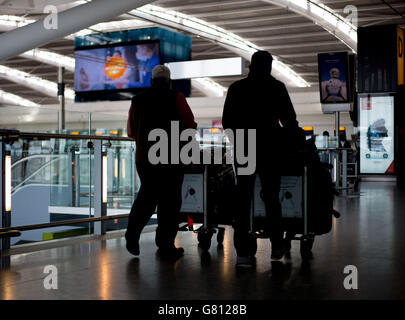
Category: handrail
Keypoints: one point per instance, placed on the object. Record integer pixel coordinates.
(45, 136)
(14, 231)
(33, 156)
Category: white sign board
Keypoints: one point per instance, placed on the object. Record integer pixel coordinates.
(206, 68)
(192, 193)
(290, 197)
(336, 107)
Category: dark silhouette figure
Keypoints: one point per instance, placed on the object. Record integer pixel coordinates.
(155, 108)
(343, 141)
(326, 133)
(259, 102)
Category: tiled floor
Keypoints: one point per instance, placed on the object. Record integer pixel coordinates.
(370, 235)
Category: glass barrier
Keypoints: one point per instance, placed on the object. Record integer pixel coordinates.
(53, 180)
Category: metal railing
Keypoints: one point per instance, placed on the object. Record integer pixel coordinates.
(95, 142)
(338, 159)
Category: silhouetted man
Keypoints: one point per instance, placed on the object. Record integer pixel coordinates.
(156, 108)
(343, 142)
(259, 102)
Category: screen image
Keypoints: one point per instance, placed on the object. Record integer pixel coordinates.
(376, 134)
(333, 77)
(115, 67)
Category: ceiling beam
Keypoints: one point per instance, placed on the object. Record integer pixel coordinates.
(324, 16)
(205, 5)
(35, 34)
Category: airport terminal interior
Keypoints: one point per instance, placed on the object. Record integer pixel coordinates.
(68, 172)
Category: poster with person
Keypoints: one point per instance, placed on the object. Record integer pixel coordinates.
(333, 77)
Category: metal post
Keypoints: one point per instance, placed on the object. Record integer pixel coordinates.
(61, 98)
(2, 189)
(5, 216)
(205, 181)
(77, 180)
(337, 126)
(100, 205)
(89, 123)
(305, 202)
(71, 160)
(252, 206)
(89, 171)
(133, 171)
(344, 172)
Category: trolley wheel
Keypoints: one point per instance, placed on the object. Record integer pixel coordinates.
(306, 248)
(204, 238)
(221, 235)
(252, 243)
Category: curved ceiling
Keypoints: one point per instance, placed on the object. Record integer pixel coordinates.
(269, 24)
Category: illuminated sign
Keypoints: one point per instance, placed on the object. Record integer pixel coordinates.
(376, 134)
(400, 56)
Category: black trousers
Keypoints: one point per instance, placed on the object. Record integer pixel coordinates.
(161, 188)
(270, 180)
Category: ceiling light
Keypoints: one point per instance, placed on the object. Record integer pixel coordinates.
(11, 98)
(48, 87)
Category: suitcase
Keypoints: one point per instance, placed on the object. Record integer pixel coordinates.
(306, 198)
(207, 195)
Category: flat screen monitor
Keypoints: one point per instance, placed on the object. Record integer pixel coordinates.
(117, 67)
(376, 127)
(333, 70)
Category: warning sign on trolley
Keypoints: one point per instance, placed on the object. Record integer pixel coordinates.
(192, 193)
(290, 197)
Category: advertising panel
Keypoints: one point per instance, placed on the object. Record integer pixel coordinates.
(333, 69)
(376, 134)
(400, 57)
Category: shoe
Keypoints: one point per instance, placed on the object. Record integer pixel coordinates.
(133, 248)
(244, 262)
(277, 254)
(171, 253)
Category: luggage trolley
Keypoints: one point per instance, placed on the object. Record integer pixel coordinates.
(195, 207)
(294, 206)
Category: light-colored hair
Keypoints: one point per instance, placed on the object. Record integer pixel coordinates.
(161, 72)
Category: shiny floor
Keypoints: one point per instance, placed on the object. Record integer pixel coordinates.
(370, 235)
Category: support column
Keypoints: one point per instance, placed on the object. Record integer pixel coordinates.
(337, 126)
(71, 163)
(5, 192)
(61, 99)
(344, 172)
(100, 187)
(77, 179)
(133, 174)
